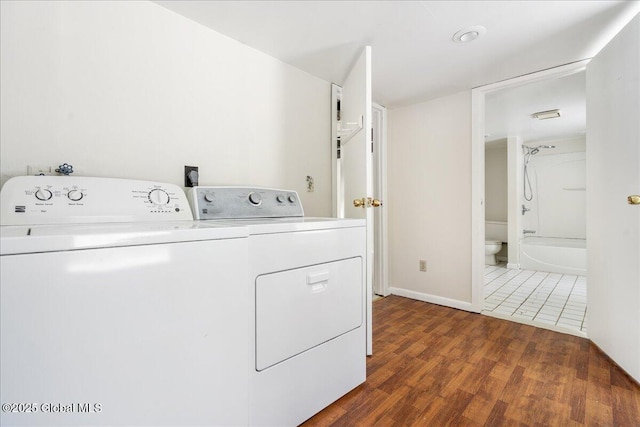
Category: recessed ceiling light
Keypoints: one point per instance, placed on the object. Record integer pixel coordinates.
(549, 114)
(467, 35)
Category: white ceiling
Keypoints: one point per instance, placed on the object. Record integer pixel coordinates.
(508, 112)
(414, 57)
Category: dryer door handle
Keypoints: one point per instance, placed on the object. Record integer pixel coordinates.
(319, 277)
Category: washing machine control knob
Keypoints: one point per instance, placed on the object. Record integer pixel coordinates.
(255, 198)
(43, 194)
(159, 197)
(209, 198)
(292, 198)
(75, 195)
(280, 198)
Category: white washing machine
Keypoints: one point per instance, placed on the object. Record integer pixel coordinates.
(307, 301)
(117, 308)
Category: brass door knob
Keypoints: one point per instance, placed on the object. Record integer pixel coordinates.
(633, 200)
(367, 202)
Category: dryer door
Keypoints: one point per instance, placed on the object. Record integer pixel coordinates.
(299, 309)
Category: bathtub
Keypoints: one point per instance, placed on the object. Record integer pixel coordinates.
(556, 255)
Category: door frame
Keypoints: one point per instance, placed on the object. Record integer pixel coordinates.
(477, 166)
(337, 184)
(381, 255)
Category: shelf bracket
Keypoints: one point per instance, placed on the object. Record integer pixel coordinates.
(346, 134)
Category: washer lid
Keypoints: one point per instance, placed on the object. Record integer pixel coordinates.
(48, 238)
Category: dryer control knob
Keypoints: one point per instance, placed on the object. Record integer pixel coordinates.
(75, 195)
(159, 197)
(43, 194)
(255, 199)
(292, 198)
(280, 198)
(209, 198)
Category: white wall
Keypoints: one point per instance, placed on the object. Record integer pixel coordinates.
(495, 183)
(429, 187)
(130, 89)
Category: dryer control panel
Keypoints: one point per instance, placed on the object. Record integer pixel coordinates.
(244, 203)
(30, 200)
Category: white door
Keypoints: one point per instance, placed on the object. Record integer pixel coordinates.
(613, 225)
(355, 158)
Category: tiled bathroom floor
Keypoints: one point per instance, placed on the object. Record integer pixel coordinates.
(548, 300)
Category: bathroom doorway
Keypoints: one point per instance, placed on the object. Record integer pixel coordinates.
(534, 190)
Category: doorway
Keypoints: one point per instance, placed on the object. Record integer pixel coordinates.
(520, 295)
(613, 230)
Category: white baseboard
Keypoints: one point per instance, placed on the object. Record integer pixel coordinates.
(513, 266)
(434, 299)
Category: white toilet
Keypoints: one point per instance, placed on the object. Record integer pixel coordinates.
(495, 233)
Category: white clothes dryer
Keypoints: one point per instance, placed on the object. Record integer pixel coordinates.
(117, 308)
(306, 291)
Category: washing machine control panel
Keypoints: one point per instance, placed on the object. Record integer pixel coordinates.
(29, 200)
(243, 202)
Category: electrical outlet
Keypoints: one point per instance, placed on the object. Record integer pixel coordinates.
(39, 170)
(190, 176)
(423, 265)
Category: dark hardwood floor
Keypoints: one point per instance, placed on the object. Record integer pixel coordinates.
(437, 366)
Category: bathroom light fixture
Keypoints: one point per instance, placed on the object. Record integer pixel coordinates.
(549, 114)
(469, 34)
